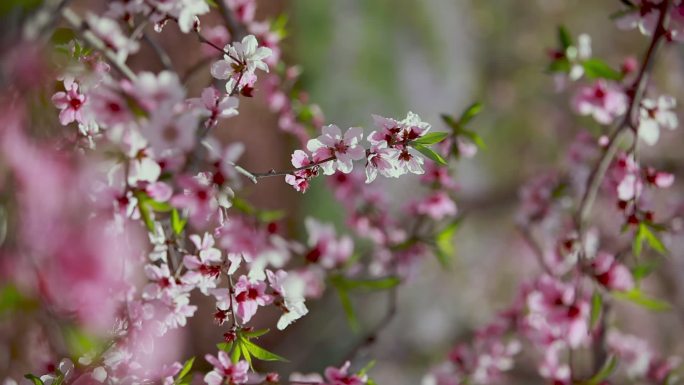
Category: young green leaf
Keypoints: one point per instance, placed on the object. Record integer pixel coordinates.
(444, 243)
(451, 122)
(187, 366)
(237, 351)
(259, 352)
(225, 346)
(564, 37)
(597, 69)
(653, 241)
(470, 112)
(431, 154)
(642, 271)
(253, 333)
(596, 306)
(636, 296)
(348, 309)
(431, 138)
(36, 380)
(606, 370)
(245, 351)
(177, 223)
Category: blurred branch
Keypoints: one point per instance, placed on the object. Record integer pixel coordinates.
(630, 120)
(237, 31)
(82, 28)
(159, 51)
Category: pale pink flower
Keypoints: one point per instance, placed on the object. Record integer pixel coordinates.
(70, 103)
(249, 296)
(436, 206)
(162, 91)
(290, 289)
(225, 371)
(300, 179)
(241, 61)
(654, 115)
(212, 106)
(326, 249)
(635, 354)
(204, 268)
(168, 131)
(335, 376)
(380, 160)
(110, 33)
(198, 197)
(557, 313)
(343, 150)
(611, 273)
(604, 101)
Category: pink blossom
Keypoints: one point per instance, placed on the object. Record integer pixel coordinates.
(326, 249)
(556, 313)
(290, 289)
(604, 101)
(300, 179)
(70, 102)
(158, 92)
(342, 150)
(167, 131)
(198, 196)
(225, 371)
(110, 33)
(212, 105)
(380, 160)
(611, 273)
(436, 206)
(240, 62)
(249, 296)
(654, 115)
(335, 376)
(635, 354)
(205, 267)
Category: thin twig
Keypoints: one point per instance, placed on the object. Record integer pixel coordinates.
(237, 31)
(160, 52)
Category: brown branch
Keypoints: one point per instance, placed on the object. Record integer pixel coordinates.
(237, 30)
(636, 93)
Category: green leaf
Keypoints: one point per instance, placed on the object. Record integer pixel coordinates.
(177, 223)
(267, 216)
(243, 206)
(187, 366)
(36, 380)
(245, 352)
(368, 284)
(237, 351)
(444, 243)
(638, 242)
(211, 3)
(596, 306)
(470, 112)
(431, 138)
(62, 36)
(642, 271)
(253, 333)
(636, 296)
(596, 68)
(11, 299)
(564, 37)
(259, 352)
(653, 241)
(606, 370)
(367, 368)
(348, 309)
(431, 154)
(451, 122)
(225, 346)
(560, 65)
(79, 342)
(145, 215)
(475, 138)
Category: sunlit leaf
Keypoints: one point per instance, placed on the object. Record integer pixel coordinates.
(636, 296)
(431, 154)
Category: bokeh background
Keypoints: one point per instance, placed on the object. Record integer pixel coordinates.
(363, 57)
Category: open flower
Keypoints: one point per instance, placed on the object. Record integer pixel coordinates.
(249, 296)
(70, 102)
(603, 101)
(341, 149)
(240, 62)
(654, 115)
(225, 371)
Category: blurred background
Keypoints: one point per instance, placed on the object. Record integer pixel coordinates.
(386, 57)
